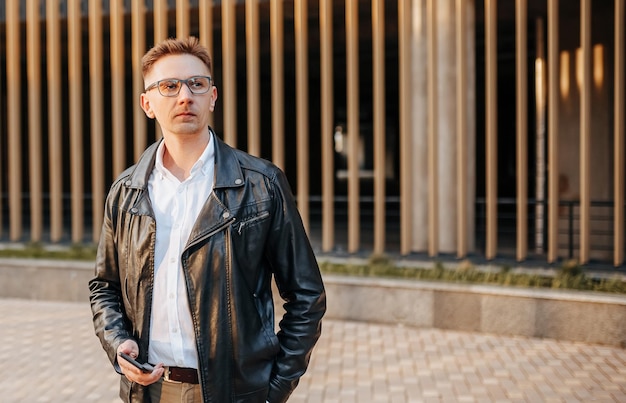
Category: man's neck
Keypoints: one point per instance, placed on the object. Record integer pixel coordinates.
(182, 152)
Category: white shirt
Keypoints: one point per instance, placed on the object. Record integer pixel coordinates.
(176, 206)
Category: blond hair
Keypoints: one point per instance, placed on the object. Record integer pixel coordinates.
(190, 46)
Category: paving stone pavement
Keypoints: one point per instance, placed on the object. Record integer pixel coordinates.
(49, 353)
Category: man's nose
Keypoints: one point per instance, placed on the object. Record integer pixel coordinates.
(185, 92)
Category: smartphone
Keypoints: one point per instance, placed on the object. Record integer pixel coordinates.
(143, 367)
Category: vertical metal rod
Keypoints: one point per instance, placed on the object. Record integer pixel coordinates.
(404, 72)
(138, 31)
(14, 119)
(352, 56)
(33, 67)
(327, 129)
(461, 105)
(570, 229)
(55, 137)
(540, 137)
(77, 166)
(118, 76)
(205, 18)
(302, 108)
(252, 65)
(522, 128)
(182, 18)
(378, 37)
(619, 143)
(433, 113)
(96, 83)
(491, 135)
(553, 127)
(278, 85)
(229, 69)
(585, 130)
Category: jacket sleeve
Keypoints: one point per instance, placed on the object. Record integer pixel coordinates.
(109, 318)
(300, 285)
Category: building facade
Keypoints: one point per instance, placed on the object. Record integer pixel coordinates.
(461, 129)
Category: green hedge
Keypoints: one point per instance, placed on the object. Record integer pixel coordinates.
(569, 276)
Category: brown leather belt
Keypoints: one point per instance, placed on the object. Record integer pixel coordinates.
(177, 374)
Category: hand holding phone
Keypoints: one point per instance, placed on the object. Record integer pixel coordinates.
(146, 367)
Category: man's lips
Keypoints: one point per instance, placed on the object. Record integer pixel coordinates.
(185, 114)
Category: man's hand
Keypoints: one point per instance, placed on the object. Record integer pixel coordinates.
(134, 374)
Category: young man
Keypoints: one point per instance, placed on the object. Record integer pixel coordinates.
(192, 234)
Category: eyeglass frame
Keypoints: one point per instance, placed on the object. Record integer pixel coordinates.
(181, 82)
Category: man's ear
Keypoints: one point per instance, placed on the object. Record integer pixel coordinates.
(213, 98)
(145, 105)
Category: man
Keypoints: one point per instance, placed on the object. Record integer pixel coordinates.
(192, 234)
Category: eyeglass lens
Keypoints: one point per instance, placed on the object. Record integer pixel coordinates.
(197, 85)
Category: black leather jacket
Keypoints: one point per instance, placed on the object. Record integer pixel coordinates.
(248, 230)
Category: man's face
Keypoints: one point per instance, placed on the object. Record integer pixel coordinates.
(186, 113)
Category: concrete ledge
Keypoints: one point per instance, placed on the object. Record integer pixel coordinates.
(558, 314)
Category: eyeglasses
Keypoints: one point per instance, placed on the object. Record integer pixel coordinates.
(171, 87)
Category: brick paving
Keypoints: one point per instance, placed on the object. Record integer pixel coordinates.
(50, 354)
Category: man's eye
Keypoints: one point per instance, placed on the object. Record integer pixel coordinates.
(198, 84)
(169, 85)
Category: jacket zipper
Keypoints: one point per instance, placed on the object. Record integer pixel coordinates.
(226, 224)
(258, 217)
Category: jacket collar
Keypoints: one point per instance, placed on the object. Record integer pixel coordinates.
(227, 167)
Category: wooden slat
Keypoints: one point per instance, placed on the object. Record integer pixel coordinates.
(521, 73)
(205, 18)
(254, 77)
(229, 71)
(585, 131)
(118, 97)
(75, 82)
(461, 128)
(138, 32)
(278, 85)
(33, 63)
(352, 57)
(405, 84)
(553, 127)
(161, 32)
(433, 188)
(619, 143)
(327, 130)
(96, 83)
(160, 21)
(182, 18)
(378, 48)
(302, 108)
(14, 119)
(55, 136)
(491, 133)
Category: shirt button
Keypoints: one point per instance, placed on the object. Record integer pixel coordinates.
(134, 210)
(238, 181)
(225, 215)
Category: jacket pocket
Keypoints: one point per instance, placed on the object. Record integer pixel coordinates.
(251, 220)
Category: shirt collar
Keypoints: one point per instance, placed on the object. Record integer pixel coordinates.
(203, 164)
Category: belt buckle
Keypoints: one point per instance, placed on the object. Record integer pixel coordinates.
(166, 375)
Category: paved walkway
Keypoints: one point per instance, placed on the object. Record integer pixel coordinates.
(48, 353)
